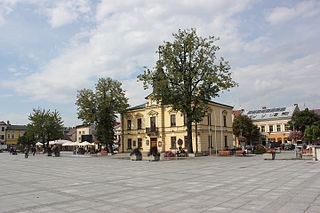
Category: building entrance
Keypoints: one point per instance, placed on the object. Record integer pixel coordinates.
(153, 142)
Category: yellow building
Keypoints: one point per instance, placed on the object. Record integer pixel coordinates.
(13, 132)
(152, 124)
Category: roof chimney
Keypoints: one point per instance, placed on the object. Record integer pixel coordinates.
(8, 122)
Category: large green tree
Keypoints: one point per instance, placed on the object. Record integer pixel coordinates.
(312, 133)
(187, 74)
(45, 126)
(302, 119)
(243, 127)
(100, 108)
(27, 139)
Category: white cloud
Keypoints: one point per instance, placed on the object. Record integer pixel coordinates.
(281, 15)
(67, 11)
(6, 7)
(278, 84)
(127, 34)
(125, 39)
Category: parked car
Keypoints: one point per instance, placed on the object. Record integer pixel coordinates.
(288, 146)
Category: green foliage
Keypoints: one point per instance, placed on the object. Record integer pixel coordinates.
(100, 107)
(187, 75)
(312, 133)
(243, 127)
(300, 120)
(27, 139)
(44, 126)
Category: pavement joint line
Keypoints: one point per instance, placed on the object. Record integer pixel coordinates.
(142, 180)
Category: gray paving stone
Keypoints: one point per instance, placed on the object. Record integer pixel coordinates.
(205, 184)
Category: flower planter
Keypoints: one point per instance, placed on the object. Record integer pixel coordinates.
(224, 153)
(136, 157)
(269, 155)
(240, 153)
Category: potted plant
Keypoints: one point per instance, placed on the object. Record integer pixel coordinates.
(154, 152)
(136, 154)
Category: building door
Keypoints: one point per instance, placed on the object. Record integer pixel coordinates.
(153, 142)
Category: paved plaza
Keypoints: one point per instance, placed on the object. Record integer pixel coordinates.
(204, 184)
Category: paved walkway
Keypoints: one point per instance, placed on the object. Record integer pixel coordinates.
(205, 184)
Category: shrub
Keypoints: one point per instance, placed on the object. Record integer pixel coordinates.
(260, 149)
(169, 154)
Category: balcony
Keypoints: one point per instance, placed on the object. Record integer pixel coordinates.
(153, 131)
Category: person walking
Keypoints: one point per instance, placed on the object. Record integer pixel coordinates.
(33, 150)
(26, 152)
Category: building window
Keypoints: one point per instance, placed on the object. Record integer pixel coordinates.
(79, 132)
(129, 124)
(2, 129)
(278, 128)
(139, 143)
(139, 123)
(12, 136)
(8, 136)
(209, 118)
(173, 142)
(129, 143)
(225, 121)
(286, 127)
(153, 123)
(134, 143)
(270, 128)
(173, 120)
(263, 129)
(2, 137)
(225, 141)
(83, 132)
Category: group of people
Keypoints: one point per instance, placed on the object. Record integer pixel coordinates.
(27, 150)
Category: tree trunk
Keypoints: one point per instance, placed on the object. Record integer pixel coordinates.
(189, 135)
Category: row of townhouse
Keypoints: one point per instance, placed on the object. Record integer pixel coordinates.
(9, 133)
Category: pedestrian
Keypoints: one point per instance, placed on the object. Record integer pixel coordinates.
(33, 149)
(26, 152)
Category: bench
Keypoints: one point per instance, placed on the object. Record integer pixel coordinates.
(307, 152)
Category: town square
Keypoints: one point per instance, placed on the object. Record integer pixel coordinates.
(204, 184)
(159, 106)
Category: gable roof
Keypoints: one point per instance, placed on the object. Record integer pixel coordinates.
(17, 127)
(271, 113)
(140, 106)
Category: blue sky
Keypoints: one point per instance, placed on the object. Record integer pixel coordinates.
(51, 49)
